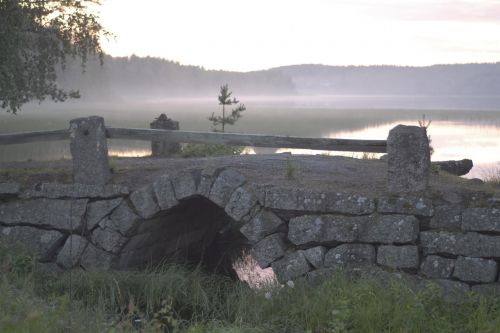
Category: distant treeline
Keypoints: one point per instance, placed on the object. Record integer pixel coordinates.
(128, 78)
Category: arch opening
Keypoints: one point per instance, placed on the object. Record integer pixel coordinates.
(196, 232)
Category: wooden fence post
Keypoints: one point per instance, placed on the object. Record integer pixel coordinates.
(89, 151)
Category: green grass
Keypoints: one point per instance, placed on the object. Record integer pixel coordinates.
(178, 299)
(202, 150)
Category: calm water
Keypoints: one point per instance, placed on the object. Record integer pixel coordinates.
(457, 131)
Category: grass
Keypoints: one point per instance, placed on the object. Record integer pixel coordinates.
(202, 150)
(491, 176)
(178, 299)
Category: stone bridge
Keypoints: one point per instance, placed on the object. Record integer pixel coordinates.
(382, 218)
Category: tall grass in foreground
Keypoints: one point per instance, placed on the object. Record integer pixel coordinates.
(491, 176)
(177, 299)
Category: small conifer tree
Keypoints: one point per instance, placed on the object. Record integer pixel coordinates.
(225, 100)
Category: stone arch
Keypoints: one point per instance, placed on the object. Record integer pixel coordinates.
(196, 216)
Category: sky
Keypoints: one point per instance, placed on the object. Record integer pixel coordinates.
(246, 35)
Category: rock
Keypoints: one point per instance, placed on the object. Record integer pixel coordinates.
(269, 249)
(457, 168)
(225, 184)
(452, 290)
(164, 192)
(41, 242)
(164, 148)
(315, 256)
(447, 217)
(122, 219)
(481, 219)
(452, 197)
(75, 191)
(9, 189)
(184, 185)
(436, 267)
(263, 224)
(408, 159)
(406, 205)
(144, 202)
(89, 150)
(489, 289)
(96, 260)
(475, 269)
(108, 239)
(390, 229)
(56, 214)
(98, 210)
(71, 252)
(292, 266)
(311, 201)
(207, 177)
(312, 229)
(469, 244)
(350, 254)
(240, 203)
(320, 275)
(398, 256)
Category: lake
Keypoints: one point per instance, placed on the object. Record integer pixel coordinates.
(460, 128)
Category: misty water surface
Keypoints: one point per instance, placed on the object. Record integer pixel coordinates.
(457, 132)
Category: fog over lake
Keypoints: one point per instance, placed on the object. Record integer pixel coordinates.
(461, 128)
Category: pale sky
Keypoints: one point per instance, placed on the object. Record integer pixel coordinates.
(259, 34)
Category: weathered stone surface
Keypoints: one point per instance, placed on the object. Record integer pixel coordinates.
(347, 203)
(390, 229)
(315, 256)
(122, 219)
(269, 249)
(98, 210)
(184, 185)
(406, 205)
(165, 194)
(36, 241)
(291, 266)
(240, 203)
(71, 252)
(310, 201)
(488, 289)
(436, 267)
(447, 217)
(408, 159)
(89, 150)
(350, 254)
(263, 224)
(94, 259)
(144, 202)
(481, 219)
(225, 184)
(475, 269)
(398, 256)
(452, 197)
(108, 239)
(452, 290)
(207, 177)
(56, 214)
(75, 191)
(320, 275)
(9, 189)
(310, 229)
(467, 244)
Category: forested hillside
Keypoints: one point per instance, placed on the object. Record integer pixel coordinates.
(129, 78)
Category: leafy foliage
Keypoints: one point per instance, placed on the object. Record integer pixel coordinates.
(225, 99)
(36, 37)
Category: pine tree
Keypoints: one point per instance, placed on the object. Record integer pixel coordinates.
(225, 100)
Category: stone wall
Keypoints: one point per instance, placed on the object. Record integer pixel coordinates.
(451, 239)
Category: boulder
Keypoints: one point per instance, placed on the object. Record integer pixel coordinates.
(144, 202)
(240, 203)
(457, 168)
(263, 224)
(436, 267)
(71, 252)
(315, 256)
(350, 254)
(40, 242)
(475, 270)
(98, 210)
(290, 267)
(406, 205)
(398, 256)
(269, 249)
(164, 192)
(481, 219)
(224, 185)
(447, 217)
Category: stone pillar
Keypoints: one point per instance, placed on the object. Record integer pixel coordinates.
(162, 148)
(408, 158)
(89, 151)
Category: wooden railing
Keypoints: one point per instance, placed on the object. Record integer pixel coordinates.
(253, 140)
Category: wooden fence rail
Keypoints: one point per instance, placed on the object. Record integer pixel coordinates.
(253, 140)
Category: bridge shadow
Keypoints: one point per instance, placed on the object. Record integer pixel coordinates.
(196, 232)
